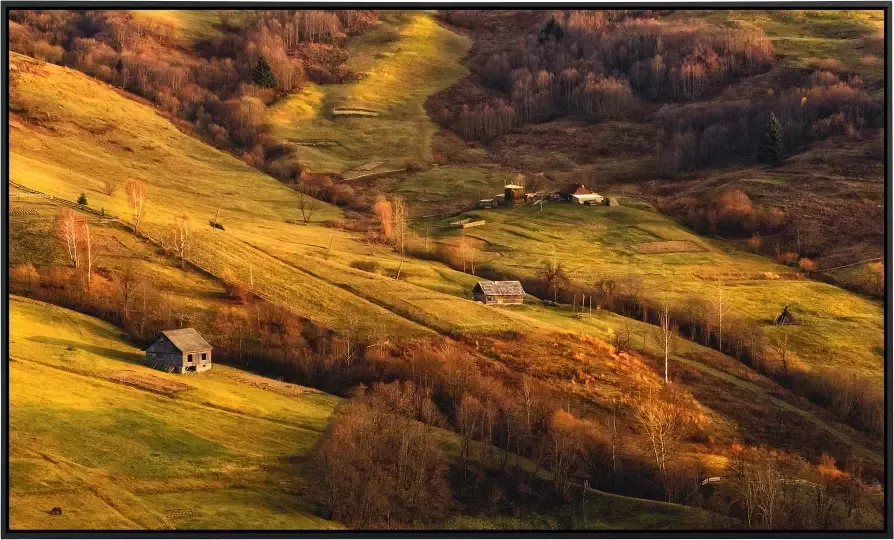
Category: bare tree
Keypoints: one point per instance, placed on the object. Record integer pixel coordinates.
(720, 306)
(136, 199)
(742, 473)
(181, 237)
(128, 283)
(467, 252)
(620, 337)
(756, 480)
(68, 231)
(780, 345)
(667, 336)
(400, 219)
(554, 277)
(109, 187)
(468, 421)
(385, 214)
(614, 437)
(308, 202)
(89, 237)
(663, 426)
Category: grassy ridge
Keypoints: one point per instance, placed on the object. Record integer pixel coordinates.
(220, 450)
(843, 330)
(401, 62)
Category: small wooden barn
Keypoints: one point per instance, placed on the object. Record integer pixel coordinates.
(182, 351)
(485, 203)
(499, 292)
(571, 190)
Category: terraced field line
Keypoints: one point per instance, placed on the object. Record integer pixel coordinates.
(346, 288)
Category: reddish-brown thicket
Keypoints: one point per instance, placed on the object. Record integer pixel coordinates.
(378, 467)
(723, 132)
(730, 213)
(603, 59)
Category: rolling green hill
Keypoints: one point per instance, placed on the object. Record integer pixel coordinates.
(843, 330)
(118, 445)
(401, 62)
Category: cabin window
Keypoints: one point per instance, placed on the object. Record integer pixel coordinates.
(204, 356)
(189, 358)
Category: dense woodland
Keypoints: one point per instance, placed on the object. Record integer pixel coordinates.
(621, 65)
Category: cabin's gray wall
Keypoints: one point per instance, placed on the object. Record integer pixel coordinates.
(163, 355)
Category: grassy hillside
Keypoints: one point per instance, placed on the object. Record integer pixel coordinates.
(116, 444)
(105, 135)
(401, 62)
(843, 330)
(295, 265)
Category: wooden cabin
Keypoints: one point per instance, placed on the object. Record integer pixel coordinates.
(181, 351)
(499, 292)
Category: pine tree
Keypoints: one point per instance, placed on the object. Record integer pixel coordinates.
(82, 200)
(262, 74)
(769, 149)
(553, 28)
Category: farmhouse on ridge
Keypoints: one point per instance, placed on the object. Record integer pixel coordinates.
(181, 351)
(499, 292)
(571, 190)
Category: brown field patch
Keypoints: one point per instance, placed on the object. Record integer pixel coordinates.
(150, 383)
(667, 246)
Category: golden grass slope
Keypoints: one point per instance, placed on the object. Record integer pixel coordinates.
(408, 57)
(86, 133)
(91, 432)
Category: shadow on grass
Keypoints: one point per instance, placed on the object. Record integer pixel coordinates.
(115, 354)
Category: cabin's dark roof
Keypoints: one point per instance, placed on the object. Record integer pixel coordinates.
(501, 288)
(187, 340)
(575, 189)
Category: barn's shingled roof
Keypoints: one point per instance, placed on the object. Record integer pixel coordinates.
(187, 340)
(501, 288)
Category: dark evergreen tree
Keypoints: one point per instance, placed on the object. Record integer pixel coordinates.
(552, 28)
(82, 200)
(769, 149)
(262, 74)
